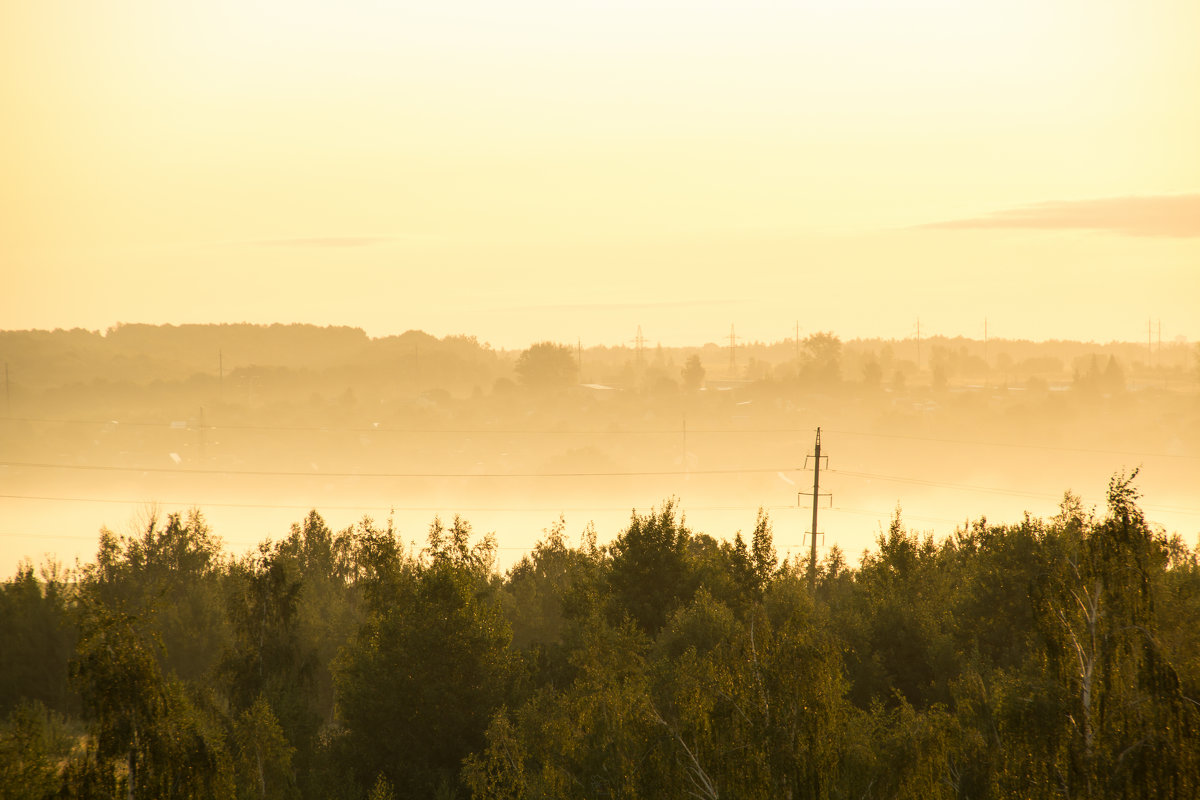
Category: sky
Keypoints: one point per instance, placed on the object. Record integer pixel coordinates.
(527, 170)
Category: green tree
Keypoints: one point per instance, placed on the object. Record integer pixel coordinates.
(37, 639)
(33, 741)
(764, 557)
(898, 628)
(169, 577)
(117, 674)
(648, 567)
(264, 756)
(1127, 728)
(157, 737)
(543, 596)
(595, 738)
(427, 670)
(270, 657)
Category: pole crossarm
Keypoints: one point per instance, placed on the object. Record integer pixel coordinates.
(801, 495)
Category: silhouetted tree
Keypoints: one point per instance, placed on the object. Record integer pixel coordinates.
(822, 360)
(547, 365)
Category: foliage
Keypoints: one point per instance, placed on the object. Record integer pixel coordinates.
(1046, 658)
(426, 670)
(648, 567)
(32, 742)
(36, 640)
(264, 756)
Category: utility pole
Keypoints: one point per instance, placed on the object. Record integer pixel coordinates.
(1166, 380)
(641, 341)
(985, 353)
(685, 457)
(202, 434)
(732, 357)
(918, 344)
(797, 341)
(987, 368)
(816, 495)
(579, 356)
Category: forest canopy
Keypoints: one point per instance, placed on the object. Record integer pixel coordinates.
(1043, 658)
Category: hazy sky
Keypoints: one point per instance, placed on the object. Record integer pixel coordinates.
(528, 170)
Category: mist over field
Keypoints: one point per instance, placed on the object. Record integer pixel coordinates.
(256, 425)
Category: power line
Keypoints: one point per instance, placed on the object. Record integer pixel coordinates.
(597, 432)
(321, 507)
(1017, 445)
(869, 476)
(903, 516)
(39, 535)
(318, 474)
(990, 489)
(789, 547)
(189, 425)
(389, 508)
(223, 540)
(543, 475)
(943, 484)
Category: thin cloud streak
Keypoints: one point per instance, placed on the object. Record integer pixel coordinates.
(629, 306)
(316, 242)
(327, 241)
(1172, 215)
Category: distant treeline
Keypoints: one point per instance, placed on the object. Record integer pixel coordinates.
(146, 354)
(1045, 658)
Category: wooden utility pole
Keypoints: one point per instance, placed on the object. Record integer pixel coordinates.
(816, 496)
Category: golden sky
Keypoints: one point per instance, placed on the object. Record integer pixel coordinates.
(530, 170)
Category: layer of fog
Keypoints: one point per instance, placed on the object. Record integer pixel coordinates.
(408, 431)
